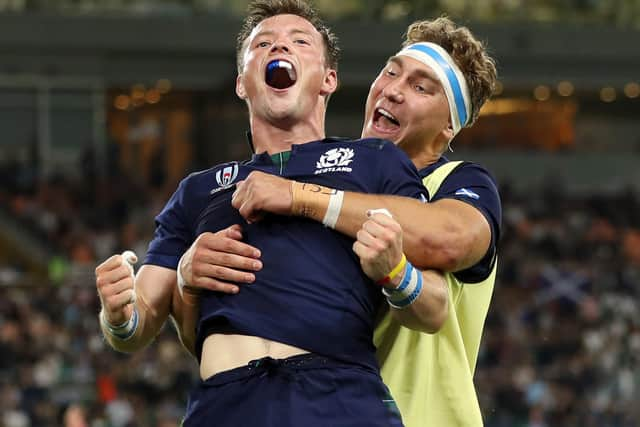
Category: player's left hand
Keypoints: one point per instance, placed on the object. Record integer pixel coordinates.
(379, 246)
(260, 193)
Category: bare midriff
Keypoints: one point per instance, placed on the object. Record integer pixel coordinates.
(222, 352)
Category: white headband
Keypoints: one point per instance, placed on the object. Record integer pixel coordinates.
(450, 76)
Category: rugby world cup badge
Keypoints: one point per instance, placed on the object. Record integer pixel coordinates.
(225, 177)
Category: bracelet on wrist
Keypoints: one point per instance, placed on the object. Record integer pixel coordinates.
(394, 272)
(123, 331)
(408, 291)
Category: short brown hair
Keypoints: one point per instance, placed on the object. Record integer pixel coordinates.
(260, 10)
(470, 55)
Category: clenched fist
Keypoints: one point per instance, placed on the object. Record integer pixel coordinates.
(379, 246)
(115, 284)
(260, 193)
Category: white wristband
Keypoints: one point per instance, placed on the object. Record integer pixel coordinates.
(123, 331)
(333, 210)
(408, 290)
(181, 282)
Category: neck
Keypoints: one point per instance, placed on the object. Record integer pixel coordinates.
(425, 155)
(424, 159)
(277, 136)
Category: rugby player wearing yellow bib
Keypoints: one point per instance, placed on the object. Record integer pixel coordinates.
(422, 98)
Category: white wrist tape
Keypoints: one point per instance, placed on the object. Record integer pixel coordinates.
(333, 210)
(181, 282)
(123, 331)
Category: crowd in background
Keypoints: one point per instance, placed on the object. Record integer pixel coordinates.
(561, 345)
(621, 12)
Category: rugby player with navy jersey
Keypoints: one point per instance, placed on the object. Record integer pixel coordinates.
(421, 99)
(295, 347)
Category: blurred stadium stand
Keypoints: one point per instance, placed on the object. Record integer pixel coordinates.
(105, 105)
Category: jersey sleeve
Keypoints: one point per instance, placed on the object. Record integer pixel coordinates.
(399, 176)
(472, 184)
(173, 234)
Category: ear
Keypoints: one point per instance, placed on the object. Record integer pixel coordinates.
(242, 94)
(447, 132)
(330, 83)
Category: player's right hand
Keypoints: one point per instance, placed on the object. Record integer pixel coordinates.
(262, 192)
(220, 261)
(379, 245)
(115, 284)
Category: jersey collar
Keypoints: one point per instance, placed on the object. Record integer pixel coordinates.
(265, 158)
(424, 172)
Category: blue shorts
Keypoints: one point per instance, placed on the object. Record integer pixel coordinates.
(300, 391)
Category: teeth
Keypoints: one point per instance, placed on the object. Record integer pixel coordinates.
(387, 114)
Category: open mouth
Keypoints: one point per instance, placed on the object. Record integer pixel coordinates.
(385, 121)
(280, 74)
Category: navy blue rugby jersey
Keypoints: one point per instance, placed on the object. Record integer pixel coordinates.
(311, 292)
(473, 184)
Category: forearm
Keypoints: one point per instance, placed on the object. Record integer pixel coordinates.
(149, 323)
(415, 220)
(153, 289)
(185, 315)
(429, 311)
(418, 299)
(446, 235)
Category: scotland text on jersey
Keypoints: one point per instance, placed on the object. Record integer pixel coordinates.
(335, 160)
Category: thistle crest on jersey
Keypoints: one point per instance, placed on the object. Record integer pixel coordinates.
(225, 177)
(335, 160)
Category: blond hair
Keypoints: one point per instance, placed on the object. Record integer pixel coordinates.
(470, 55)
